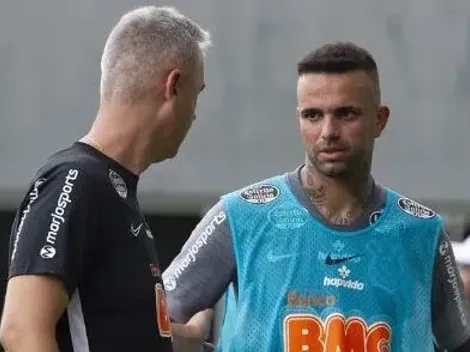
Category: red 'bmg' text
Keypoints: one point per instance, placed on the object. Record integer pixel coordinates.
(307, 332)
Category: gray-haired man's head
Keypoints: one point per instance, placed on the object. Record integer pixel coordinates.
(143, 46)
(153, 60)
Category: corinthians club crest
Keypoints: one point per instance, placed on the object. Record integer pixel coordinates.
(118, 183)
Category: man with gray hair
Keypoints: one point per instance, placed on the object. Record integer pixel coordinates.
(83, 271)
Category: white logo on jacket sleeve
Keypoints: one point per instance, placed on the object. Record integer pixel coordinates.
(170, 283)
(415, 209)
(191, 252)
(47, 252)
(58, 216)
(118, 183)
(443, 248)
(260, 194)
(33, 195)
(452, 279)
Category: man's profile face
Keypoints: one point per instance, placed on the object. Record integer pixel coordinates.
(183, 89)
(339, 120)
(185, 105)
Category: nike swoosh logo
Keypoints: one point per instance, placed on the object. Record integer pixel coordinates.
(277, 257)
(135, 231)
(335, 261)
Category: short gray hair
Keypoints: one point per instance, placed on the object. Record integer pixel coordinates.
(144, 43)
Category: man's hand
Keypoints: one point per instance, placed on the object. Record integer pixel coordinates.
(189, 337)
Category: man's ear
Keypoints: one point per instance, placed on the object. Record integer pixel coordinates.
(172, 84)
(383, 114)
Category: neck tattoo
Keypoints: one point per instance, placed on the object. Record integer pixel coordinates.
(317, 193)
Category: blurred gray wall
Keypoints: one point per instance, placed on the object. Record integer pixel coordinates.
(246, 130)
